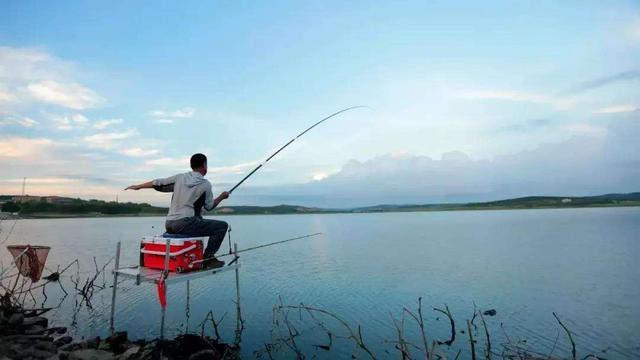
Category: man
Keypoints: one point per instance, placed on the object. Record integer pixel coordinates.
(188, 189)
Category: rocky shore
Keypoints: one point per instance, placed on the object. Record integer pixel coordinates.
(26, 335)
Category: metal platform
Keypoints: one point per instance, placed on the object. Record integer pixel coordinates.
(142, 274)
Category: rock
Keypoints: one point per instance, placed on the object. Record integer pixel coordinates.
(64, 340)
(116, 341)
(15, 319)
(90, 354)
(491, 312)
(46, 346)
(71, 347)
(205, 355)
(34, 330)
(91, 343)
(35, 320)
(130, 353)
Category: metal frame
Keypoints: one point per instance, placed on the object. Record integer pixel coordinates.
(152, 276)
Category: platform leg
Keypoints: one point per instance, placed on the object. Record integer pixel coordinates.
(239, 324)
(162, 316)
(115, 286)
(165, 274)
(188, 310)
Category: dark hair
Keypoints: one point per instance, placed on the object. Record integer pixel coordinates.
(197, 160)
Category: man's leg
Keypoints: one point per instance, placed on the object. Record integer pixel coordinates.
(196, 226)
(216, 230)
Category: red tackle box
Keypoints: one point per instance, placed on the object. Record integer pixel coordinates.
(185, 254)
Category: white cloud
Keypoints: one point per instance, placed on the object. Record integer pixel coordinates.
(617, 109)
(7, 97)
(69, 122)
(232, 169)
(30, 75)
(168, 117)
(20, 147)
(139, 152)
(25, 122)
(516, 96)
(103, 124)
(169, 162)
(108, 141)
(69, 95)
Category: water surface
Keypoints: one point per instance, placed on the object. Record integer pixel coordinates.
(526, 264)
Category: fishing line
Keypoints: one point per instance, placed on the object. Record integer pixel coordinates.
(259, 247)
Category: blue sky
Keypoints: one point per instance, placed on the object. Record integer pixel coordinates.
(96, 96)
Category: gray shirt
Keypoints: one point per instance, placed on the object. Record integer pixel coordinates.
(187, 188)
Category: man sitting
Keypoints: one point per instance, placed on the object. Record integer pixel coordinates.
(182, 219)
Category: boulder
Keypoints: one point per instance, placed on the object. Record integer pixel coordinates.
(63, 340)
(35, 320)
(15, 319)
(207, 354)
(130, 353)
(34, 330)
(90, 354)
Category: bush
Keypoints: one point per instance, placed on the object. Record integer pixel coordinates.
(11, 207)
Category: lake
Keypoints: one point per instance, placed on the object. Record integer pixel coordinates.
(581, 264)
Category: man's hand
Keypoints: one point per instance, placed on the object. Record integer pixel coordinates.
(223, 195)
(133, 187)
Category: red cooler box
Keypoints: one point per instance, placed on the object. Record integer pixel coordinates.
(183, 253)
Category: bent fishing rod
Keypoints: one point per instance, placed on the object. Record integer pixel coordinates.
(292, 140)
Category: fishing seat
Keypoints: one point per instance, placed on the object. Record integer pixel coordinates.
(177, 236)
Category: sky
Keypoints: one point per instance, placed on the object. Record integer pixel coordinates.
(469, 100)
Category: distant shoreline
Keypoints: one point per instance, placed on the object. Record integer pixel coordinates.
(58, 207)
(328, 212)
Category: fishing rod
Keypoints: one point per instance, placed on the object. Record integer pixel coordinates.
(292, 140)
(258, 247)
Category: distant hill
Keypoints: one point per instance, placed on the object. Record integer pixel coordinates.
(529, 202)
(54, 206)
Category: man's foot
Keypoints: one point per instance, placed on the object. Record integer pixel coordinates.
(213, 263)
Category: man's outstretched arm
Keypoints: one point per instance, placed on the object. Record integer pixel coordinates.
(152, 183)
(146, 185)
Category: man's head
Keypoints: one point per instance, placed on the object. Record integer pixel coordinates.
(199, 163)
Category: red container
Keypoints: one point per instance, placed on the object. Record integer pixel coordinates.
(185, 254)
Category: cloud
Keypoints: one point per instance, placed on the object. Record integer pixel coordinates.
(233, 169)
(69, 122)
(68, 95)
(20, 147)
(24, 122)
(108, 141)
(616, 109)
(505, 95)
(516, 96)
(103, 124)
(527, 125)
(32, 75)
(168, 117)
(169, 162)
(604, 81)
(598, 160)
(139, 152)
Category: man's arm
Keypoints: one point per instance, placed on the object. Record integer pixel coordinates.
(152, 183)
(210, 203)
(146, 185)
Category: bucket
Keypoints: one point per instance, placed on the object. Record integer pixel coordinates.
(29, 259)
